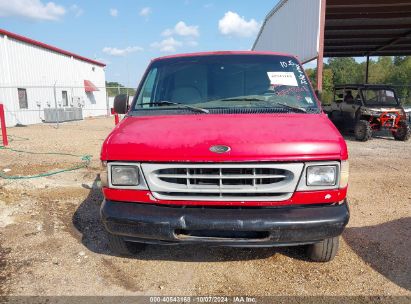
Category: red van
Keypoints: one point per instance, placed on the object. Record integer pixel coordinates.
(225, 149)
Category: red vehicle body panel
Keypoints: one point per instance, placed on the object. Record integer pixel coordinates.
(252, 137)
(298, 198)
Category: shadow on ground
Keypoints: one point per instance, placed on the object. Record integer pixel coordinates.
(382, 134)
(377, 135)
(86, 220)
(386, 248)
(5, 271)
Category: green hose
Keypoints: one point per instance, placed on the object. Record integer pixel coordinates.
(86, 159)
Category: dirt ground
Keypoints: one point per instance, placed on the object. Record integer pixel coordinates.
(52, 242)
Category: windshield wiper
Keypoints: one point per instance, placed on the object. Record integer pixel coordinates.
(295, 109)
(181, 105)
(242, 99)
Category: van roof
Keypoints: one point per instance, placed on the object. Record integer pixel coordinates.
(223, 53)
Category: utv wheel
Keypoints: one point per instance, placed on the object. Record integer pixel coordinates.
(403, 132)
(119, 246)
(323, 251)
(362, 130)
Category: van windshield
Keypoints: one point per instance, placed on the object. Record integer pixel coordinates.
(228, 82)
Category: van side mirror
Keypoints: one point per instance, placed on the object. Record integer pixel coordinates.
(121, 104)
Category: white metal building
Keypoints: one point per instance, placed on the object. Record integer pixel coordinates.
(292, 26)
(37, 79)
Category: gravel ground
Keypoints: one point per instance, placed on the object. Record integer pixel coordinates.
(52, 242)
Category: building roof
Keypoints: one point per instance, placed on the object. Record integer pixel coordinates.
(48, 47)
(367, 27)
(352, 28)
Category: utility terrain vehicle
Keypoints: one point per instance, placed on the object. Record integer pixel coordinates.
(364, 108)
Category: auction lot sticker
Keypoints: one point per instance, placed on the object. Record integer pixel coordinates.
(282, 78)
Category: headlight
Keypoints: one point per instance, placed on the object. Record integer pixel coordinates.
(321, 175)
(122, 175)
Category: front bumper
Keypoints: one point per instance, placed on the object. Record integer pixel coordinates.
(279, 226)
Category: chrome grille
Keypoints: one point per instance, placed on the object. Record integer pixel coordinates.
(232, 182)
(222, 176)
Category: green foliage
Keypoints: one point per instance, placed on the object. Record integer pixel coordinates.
(383, 70)
(115, 88)
(328, 84)
(311, 73)
(345, 70)
(380, 71)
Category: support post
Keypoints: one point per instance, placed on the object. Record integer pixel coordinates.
(107, 104)
(320, 73)
(3, 125)
(320, 57)
(367, 69)
(116, 117)
(55, 105)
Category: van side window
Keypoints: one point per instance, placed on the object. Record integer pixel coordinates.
(148, 87)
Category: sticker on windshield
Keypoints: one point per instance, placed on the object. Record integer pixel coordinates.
(309, 100)
(282, 78)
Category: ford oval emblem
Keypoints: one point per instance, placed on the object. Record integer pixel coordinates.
(220, 149)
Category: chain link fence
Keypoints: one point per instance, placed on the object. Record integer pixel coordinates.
(27, 104)
(30, 104)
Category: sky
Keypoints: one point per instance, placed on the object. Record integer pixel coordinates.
(127, 34)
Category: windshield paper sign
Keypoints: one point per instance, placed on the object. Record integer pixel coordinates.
(282, 78)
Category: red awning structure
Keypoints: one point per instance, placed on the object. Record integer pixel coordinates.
(89, 86)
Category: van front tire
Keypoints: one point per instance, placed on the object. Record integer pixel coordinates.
(119, 246)
(323, 251)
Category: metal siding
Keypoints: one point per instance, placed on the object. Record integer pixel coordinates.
(28, 66)
(291, 27)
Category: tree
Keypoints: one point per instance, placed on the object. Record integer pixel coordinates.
(115, 88)
(383, 70)
(380, 70)
(328, 85)
(398, 60)
(401, 75)
(345, 70)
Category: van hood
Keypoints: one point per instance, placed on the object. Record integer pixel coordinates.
(251, 137)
